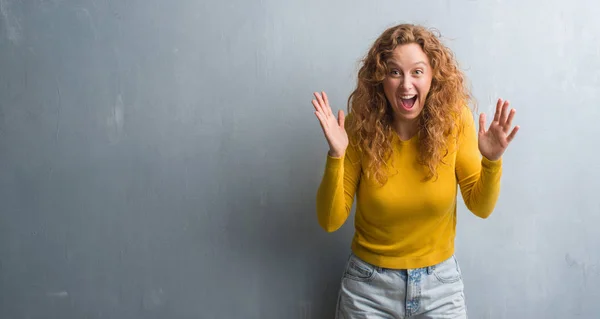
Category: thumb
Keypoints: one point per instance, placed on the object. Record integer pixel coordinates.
(341, 118)
(481, 123)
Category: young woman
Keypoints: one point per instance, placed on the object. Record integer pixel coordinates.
(409, 139)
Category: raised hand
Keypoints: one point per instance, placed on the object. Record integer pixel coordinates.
(332, 128)
(494, 141)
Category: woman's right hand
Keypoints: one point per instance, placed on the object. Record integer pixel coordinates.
(332, 128)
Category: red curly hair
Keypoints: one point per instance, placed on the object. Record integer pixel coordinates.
(371, 124)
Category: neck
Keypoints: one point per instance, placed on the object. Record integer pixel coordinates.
(406, 129)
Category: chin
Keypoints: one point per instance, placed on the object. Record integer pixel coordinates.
(407, 114)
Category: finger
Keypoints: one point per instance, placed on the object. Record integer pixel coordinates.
(322, 121)
(341, 118)
(316, 95)
(498, 110)
(511, 115)
(322, 104)
(317, 106)
(512, 134)
(504, 115)
(326, 100)
(481, 123)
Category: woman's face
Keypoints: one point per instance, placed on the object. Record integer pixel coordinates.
(408, 81)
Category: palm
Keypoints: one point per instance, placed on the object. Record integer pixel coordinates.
(332, 128)
(494, 141)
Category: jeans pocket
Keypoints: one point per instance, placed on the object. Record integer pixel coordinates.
(447, 271)
(359, 270)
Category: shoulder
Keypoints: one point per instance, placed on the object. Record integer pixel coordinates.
(351, 126)
(465, 116)
(464, 121)
(463, 127)
(349, 120)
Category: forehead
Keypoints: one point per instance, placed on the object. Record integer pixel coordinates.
(408, 55)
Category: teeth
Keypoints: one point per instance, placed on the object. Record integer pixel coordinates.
(408, 97)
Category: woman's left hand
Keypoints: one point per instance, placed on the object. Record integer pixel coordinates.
(494, 141)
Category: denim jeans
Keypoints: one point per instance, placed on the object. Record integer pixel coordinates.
(372, 292)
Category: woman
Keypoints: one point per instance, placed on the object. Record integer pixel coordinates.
(408, 141)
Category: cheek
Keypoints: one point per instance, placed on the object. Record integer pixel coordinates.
(424, 86)
(389, 87)
(387, 83)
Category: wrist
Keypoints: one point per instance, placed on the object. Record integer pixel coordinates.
(491, 164)
(491, 159)
(334, 154)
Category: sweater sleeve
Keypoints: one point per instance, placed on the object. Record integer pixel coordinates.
(336, 192)
(478, 177)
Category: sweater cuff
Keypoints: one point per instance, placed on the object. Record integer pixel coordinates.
(334, 162)
(491, 165)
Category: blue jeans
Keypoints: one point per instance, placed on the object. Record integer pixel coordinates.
(372, 292)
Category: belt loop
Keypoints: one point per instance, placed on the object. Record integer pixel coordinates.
(429, 270)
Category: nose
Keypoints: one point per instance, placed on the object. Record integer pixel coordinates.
(406, 83)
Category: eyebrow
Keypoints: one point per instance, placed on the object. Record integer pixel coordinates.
(394, 62)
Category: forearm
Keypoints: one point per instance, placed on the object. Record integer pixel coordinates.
(481, 191)
(334, 198)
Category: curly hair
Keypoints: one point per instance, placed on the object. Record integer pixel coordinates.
(372, 116)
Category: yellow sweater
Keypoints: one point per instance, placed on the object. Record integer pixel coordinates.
(408, 223)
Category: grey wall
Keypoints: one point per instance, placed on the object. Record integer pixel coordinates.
(159, 159)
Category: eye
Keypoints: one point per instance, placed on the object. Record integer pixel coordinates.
(395, 72)
(419, 71)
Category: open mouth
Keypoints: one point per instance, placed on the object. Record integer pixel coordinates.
(408, 101)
